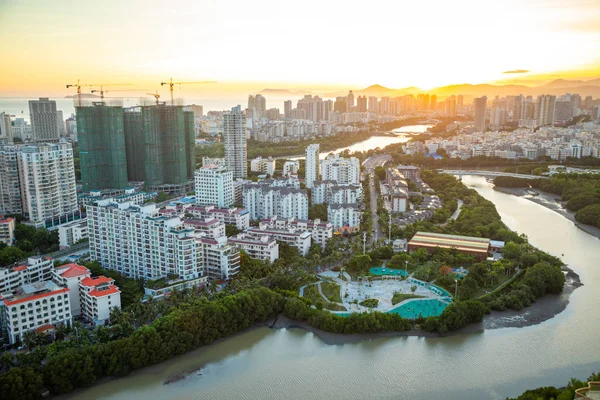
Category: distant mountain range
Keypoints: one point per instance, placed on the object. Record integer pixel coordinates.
(556, 87)
(83, 96)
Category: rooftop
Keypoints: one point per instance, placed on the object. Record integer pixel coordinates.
(429, 239)
(71, 270)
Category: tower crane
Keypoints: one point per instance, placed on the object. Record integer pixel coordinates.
(171, 84)
(156, 96)
(78, 85)
(102, 91)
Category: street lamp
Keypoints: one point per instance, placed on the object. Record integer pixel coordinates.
(406, 268)
(455, 288)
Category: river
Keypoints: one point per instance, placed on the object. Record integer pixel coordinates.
(294, 364)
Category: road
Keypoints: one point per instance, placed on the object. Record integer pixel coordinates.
(369, 165)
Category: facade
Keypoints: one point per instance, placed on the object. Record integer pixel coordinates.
(292, 237)
(344, 217)
(6, 128)
(72, 232)
(101, 137)
(544, 110)
(45, 119)
(38, 305)
(264, 248)
(133, 128)
(98, 296)
(312, 167)
(138, 242)
(70, 276)
(34, 269)
(332, 193)
(291, 168)
(264, 165)
(238, 217)
(220, 258)
(341, 170)
(234, 137)
(214, 186)
(479, 247)
(410, 172)
(10, 187)
(264, 200)
(7, 230)
(47, 181)
(479, 113)
(320, 231)
(213, 160)
(210, 227)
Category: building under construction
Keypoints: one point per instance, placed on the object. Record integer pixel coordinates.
(102, 146)
(134, 139)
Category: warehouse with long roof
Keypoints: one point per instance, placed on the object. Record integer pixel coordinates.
(476, 246)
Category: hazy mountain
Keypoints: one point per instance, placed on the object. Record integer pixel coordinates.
(83, 96)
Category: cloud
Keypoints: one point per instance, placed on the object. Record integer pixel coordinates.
(517, 71)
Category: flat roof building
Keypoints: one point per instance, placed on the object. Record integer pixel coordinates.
(476, 246)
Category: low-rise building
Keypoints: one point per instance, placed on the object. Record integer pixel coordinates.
(34, 269)
(264, 165)
(220, 258)
(290, 168)
(70, 276)
(292, 237)
(410, 172)
(344, 217)
(213, 161)
(230, 216)
(98, 296)
(7, 230)
(42, 304)
(263, 248)
(72, 232)
(479, 247)
(320, 231)
(209, 227)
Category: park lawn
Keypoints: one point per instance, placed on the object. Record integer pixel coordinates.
(371, 303)
(312, 293)
(331, 290)
(400, 297)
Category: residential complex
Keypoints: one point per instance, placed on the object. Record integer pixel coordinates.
(72, 232)
(344, 217)
(263, 165)
(7, 230)
(342, 170)
(320, 231)
(33, 269)
(266, 199)
(238, 217)
(312, 168)
(333, 193)
(263, 248)
(214, 186)
(292, 237)
(234, 138)
(46, 122)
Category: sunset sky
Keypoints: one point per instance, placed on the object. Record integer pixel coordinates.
(249, 45)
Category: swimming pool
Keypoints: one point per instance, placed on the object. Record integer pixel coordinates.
(415, 308)
(379, 271)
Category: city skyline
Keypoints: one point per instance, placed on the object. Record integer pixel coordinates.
(194, 45)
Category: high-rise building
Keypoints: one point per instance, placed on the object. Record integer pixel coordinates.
(102, 147)
(460, 100)
(497, 117)
(518, 108)
(258, 104)
(312, 105)
(361, 103)
(263, 200)
(44, 119)
(341, 170)
(47, 180)
(544, 110)
(340, 104)
(10, 188)
(563, 111)
(6, 128)
(433, 102)
(372, 103)
(312, 167)
(287, 109)
(479, 111)
(234, 136)
(166, 138)
(71, 125)
(587, 103)
(450, 106)
(214, 186)
(349, 101)
(138, 242)
(134, 143)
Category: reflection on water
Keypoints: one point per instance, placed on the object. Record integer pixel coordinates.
(293, 364)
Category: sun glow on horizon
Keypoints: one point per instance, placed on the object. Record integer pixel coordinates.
(324, 45)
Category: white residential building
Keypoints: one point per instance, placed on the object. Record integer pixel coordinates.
(210, 227)
(344, 217)
(320, 231)
(72, 232)
(230, 216)
(70, 276)
(263, 248)
(544, 110)
(312, 167)
(47, 180)
(264, 201)
(333, 193)
(45, 119)
(220, 258)
(214, 186)
(292, 237)
(10, 187)
(7, 230)
(291, 168)
(264, 165)
(213, 160)
(34, 269)
(98, 297)
(138, 242)
(36, 306)
(234, 138)
(341, 170)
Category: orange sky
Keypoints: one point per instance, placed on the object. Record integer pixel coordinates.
(314, 44)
